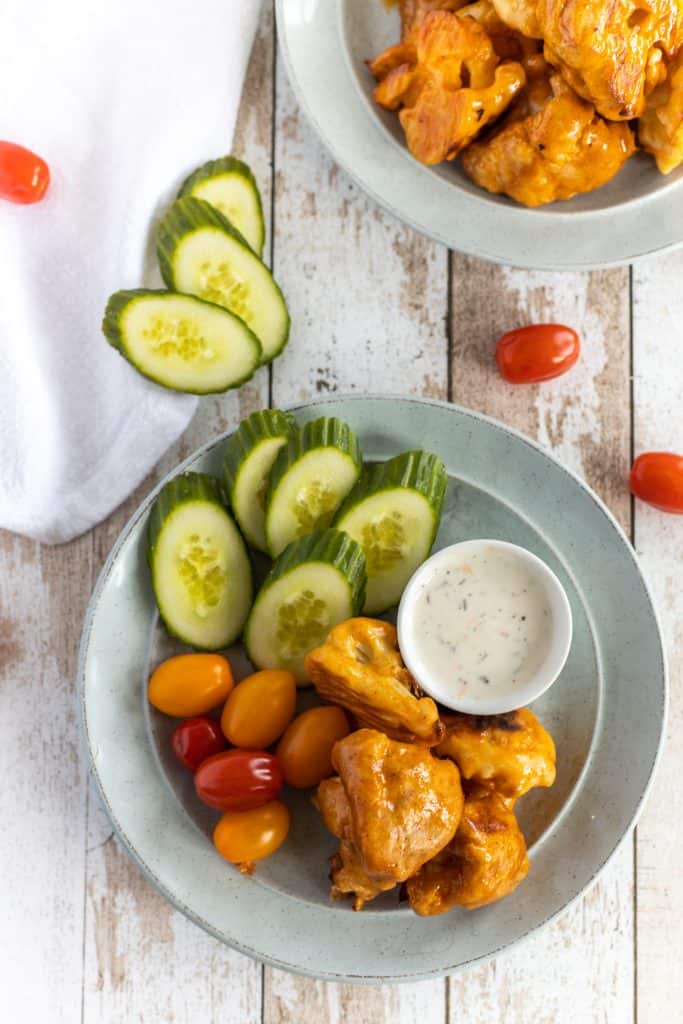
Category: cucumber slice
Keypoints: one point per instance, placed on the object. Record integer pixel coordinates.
(393, 512)
(316, 582)
(202, 254)
(180, 341)
(247, 461)
(200, 570)
(231, 188)
(309, 480)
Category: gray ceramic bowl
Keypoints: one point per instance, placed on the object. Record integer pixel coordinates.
(326, 43)
(606, 712)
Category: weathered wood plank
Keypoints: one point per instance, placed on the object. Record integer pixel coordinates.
(368, 299)
(289, 999)
(581, 967)
(144, 960)
(43, 596)
(658, 376)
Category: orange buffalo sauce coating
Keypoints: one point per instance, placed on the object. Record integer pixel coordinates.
(448, 82)
(610, 53)
(660, 129)
(557, 150)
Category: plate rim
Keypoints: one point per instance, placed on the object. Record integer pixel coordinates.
(638, 208)
(137, 858)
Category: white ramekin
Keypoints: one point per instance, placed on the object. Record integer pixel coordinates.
(560, 641)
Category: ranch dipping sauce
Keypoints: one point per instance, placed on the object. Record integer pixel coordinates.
(477, 626)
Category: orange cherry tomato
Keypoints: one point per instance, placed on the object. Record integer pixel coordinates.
(260, 708)
(190, 684)
(657, 478)
(537, 352)
(305, 750)
(24, 176)
(243, 837)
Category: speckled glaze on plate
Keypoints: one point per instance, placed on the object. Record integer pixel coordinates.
(325, 44)
(606, 712)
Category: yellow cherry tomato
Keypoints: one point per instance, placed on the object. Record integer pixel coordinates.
(305, 750)
(243, 837)
(259, 709)
(190, 684)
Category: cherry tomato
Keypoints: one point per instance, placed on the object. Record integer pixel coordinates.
(238, 780)
(190, 684)
(243, 837)
(657, 478)
(260, 708)
(537, 352)
(24, 176)
(196, 739)
(305, 750)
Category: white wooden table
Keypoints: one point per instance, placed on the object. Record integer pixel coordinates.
(375, 307)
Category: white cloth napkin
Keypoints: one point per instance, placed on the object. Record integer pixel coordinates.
(123, 98)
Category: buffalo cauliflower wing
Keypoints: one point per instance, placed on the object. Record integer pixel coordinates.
(513, 753)
(507, 42)
(485, 861)
(393, 808)
(348, 874)
(660, 129)
(414, 12)
(359, 667)
(611, 53)
(553, 146)
(519, 15)
(448, 83)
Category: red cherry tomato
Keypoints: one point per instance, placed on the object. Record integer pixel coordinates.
(196, 739)
(537, 352)
(238, 780)
(657, 478)
(24, 176)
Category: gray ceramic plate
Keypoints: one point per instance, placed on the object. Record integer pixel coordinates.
(606, 713)
(325, 44)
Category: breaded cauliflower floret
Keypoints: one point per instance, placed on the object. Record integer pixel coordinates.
(448, 83)
(558, 149)
(520, 15)
(360, 668)
(611, 53)
(513, 753)
(660, 129)
(485, 861)
(414, 12)
(393, 807)
(507, 42)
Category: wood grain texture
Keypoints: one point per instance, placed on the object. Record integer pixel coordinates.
(368, 299)
(43, 596)
(658, 423)
(367, 296)
(289, 999)
(144, 961)
(581, 967)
